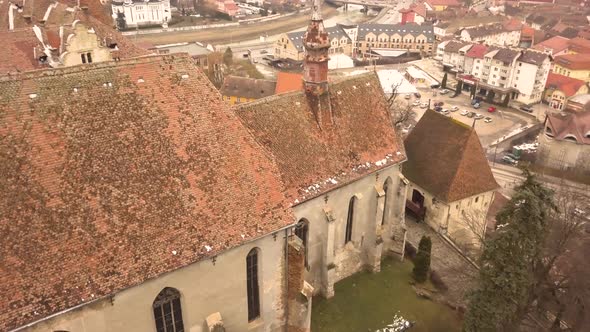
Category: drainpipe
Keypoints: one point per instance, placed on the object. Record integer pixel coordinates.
(286, 279)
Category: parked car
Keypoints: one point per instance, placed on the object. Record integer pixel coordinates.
(438, 109)
(508, 160)
(470, 114)
(513, 156)
(444, 91)
(476, 105)
(464, 112)
(416, 103)
(423, 105)
(527, 109)
(438, 103)
(487, 119)
(491, 109)
(417, 95)
(454, 109)
(407, 97)
(478, 116)
(435, 86)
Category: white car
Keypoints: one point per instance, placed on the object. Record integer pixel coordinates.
(423, 105)
(416, 103)
(487, 119)
(464, 112)
(454, 109)
(478, 116)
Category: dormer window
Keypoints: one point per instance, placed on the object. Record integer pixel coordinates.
(548, 132)
(571, 138)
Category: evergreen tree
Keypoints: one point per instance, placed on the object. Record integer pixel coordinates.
(228, 57)
(422, 260)
(121, 21)
(506, 279)
(443, 84)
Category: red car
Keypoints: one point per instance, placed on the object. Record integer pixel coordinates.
(491, 109)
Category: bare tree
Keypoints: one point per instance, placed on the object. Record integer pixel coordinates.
(401, 112)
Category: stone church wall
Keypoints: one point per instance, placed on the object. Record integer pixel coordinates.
(205, 288)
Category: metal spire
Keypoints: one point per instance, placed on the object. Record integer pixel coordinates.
(316, 11)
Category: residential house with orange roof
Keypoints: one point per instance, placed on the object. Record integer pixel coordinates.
(440, 5)
(573, 65)
(451, 183)
(289, 82)
(555, 45)
(560, 88)
(579, 45)
(237, 90)
(415, 13)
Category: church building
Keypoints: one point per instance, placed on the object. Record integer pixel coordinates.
(130, 206)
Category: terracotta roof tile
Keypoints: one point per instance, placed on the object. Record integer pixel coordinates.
(580, 45)
(95, 199)
(446, 158)
(568, 85)
(555, 44)
(477, 51)
(578, 61)
(312, 160)
(289, 82)
(451, 3)
(568, 124)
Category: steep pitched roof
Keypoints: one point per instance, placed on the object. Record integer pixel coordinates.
(574, 61)
(580, 45)
(568, 85)
(533, 57)
(455, 45)
(311, 159)
(449, 3)
(555, 44)
(477, 51)
(112, 174)
(506, 55)
(288, 82)
(567, 124)
(247, 87)
(446, 158)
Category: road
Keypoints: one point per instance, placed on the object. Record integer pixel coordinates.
(231, 34)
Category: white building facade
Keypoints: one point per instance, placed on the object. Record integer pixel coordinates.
(137, 13)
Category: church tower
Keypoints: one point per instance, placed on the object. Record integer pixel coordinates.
(317, 45)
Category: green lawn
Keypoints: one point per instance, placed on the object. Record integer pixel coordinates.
(366, 302)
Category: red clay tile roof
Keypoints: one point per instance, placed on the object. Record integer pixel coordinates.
(288, 82)
(568, 124)
(477, 51)
(446, 158)
(568, 85)
(555, 44)
(312, 160)
(513, 24)
(113, 173)
(17, 51)
(578, 61)
(580, 45)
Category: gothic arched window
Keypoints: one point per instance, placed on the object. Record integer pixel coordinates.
(349, 220)
(302, 232)
(167, 311)
(252, 285)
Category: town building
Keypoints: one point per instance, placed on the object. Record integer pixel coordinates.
(415, 13)
(411, 37)
(573, 65)
(215, 219)
(555, 46)
(579, 45)
(138, 13)
(288, 82)
(440, 30)
(559, 89)
(70, 36)
(565, 142)
(451, 183)
(440, 5)
(202, 53)
(496, 73)
(493, 34)
(290, 45)
(237, 90)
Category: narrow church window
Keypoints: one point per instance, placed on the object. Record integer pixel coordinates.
(167, 311)
(89, 57)
(252, 285)
(302, 230)
(349, 220)
(83, 56)
(386, 190)
(476, 199)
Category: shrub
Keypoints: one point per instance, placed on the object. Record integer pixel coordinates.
(422, 260)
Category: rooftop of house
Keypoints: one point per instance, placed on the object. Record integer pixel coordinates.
(572, 126)
(336, 31)
(445, 158)
(513, 24)
(578, 61)
(320, 143)
(454, 46)
(477, 51)
(579, 45)
(247, 87)
(288, 82)
(486, 30)
(417, 8)
(414, 29)
(568, 85)
(555, 44)
(95, 200)
(506, 55)
(533, 57)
